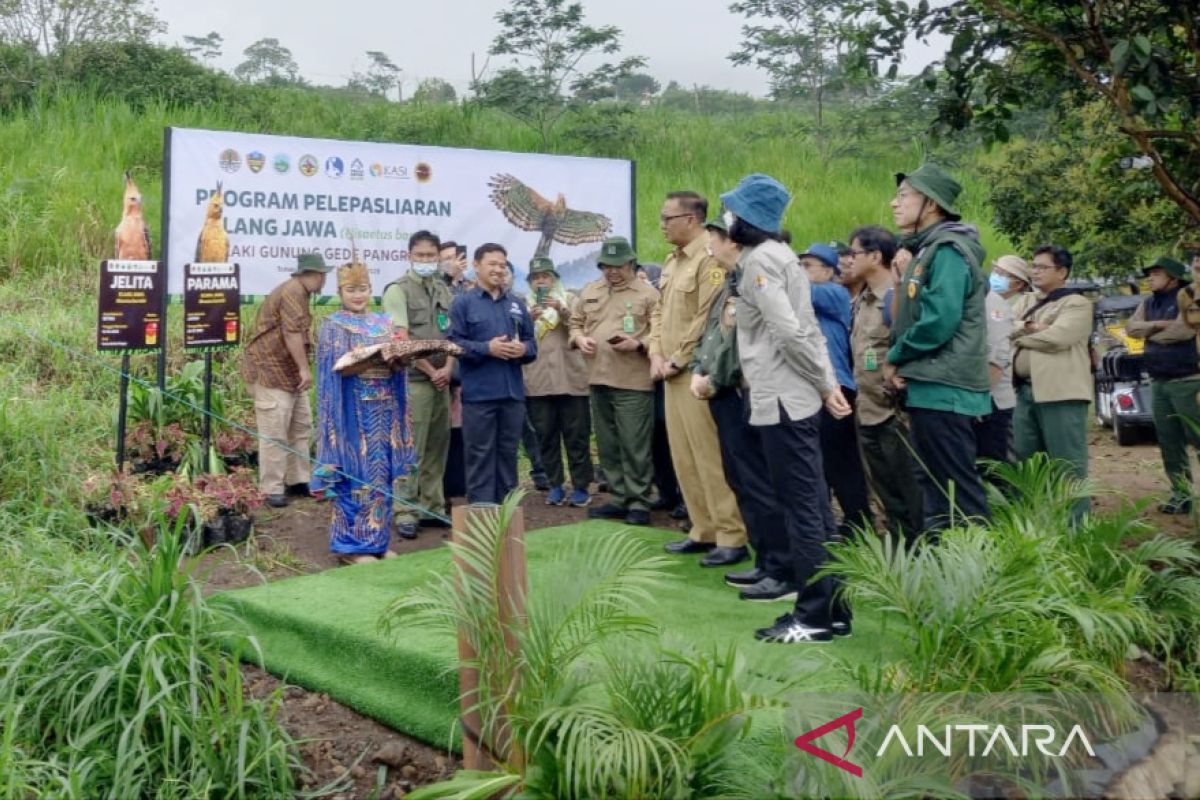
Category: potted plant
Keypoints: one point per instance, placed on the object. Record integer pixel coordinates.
(220, 507)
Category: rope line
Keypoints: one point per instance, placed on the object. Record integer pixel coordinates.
(440, 516)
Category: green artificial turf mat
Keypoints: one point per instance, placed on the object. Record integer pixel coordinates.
(320, 631)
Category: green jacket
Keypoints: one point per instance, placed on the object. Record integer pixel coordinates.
(940, 331)
(717, 353)
(422, 305)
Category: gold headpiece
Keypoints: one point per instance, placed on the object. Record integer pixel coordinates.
(353, 274)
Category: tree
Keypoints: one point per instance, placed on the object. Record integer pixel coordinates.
(1066, 185)
(806, 47)
(204, 48)
(635, 86)
(549, 43)
(1139, 57)
(434, 91)
(267, 61)
(381, 76)
(52, 27)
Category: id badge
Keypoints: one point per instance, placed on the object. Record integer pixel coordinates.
(870, 360)
(627, 324)
(443, 321)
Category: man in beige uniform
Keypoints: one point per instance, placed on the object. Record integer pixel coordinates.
(691, 279)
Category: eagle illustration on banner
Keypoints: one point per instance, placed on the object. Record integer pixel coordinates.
(529, 211)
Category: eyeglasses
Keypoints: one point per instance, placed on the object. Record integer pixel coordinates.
(665, 218)
(859, 252)
(1036, 267)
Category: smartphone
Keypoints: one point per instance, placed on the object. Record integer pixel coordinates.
(542, 293)
(461, 249)
(617, 338)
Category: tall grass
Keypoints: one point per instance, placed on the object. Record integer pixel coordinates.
(114, 685)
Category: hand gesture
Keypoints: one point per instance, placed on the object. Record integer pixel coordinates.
(305, 380)
(837, 405)
(627, 345)
(701, 387)
(586, 345)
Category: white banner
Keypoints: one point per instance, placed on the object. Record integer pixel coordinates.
(281, 196)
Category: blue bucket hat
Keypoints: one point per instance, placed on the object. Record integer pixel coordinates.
(760, 200)
(824, 253)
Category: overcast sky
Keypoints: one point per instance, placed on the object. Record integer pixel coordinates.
(683, 40)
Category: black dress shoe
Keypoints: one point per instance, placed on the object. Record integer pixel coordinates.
(297, 490)
(637, 516)
(768, 590)
(747, 577)
(607, 511)
(686, 546)
(841, 629)
(789, 630)
(725, 557)
(686, 526)
(277, 500)
(679, 512)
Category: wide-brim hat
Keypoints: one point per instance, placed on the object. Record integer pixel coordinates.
(1174, 268)
(616, 251)
(311, 262)
(540, 265)
(1015, 266)
(760, 200)
(936, 184)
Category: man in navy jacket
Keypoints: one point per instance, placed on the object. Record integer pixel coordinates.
(495, 331)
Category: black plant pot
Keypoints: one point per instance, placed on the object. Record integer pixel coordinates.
(213, 532)
(238, 527)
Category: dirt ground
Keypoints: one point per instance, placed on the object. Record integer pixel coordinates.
(360, 758)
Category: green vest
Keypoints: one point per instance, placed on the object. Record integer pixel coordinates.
(962, 361)
(428, 302)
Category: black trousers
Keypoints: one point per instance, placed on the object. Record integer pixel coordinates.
(844, 471)
(664, 470)
(532, 445)
(792, 450)
(454, 482)
(945, 442)
(491, 431)
(747, 474)
(993, 436)
(887, 449)
(563, 422)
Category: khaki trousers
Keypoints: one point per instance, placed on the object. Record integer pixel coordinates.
(422, 487)
(696, 454)
(282, 416)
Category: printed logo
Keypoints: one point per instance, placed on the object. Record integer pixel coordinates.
(308, 165)
(424, 172)
(804, 741)
(334, 167)
(229, 160)
(377, 170)
(255, 161)
(611, 250)
(357, 170)
(390, 172)
(282, 163)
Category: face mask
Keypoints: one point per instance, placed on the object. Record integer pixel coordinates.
(998, 283)
(425, 270)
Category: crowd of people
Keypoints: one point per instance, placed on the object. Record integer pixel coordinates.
(745, 386)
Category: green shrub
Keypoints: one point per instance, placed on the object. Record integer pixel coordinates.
(114, 685)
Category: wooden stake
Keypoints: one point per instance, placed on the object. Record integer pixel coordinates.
(514, 585)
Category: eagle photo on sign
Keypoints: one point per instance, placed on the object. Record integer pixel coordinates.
(529, 211)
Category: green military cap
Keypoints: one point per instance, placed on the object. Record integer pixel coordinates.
(717, 224)
(840, 247)
(541, 264)
(1168, 265)
(936, 184)
(311, 262)
(616, 252)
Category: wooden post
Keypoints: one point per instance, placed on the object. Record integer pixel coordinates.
(514, 585)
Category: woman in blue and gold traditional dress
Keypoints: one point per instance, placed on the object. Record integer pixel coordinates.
(364, 436)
